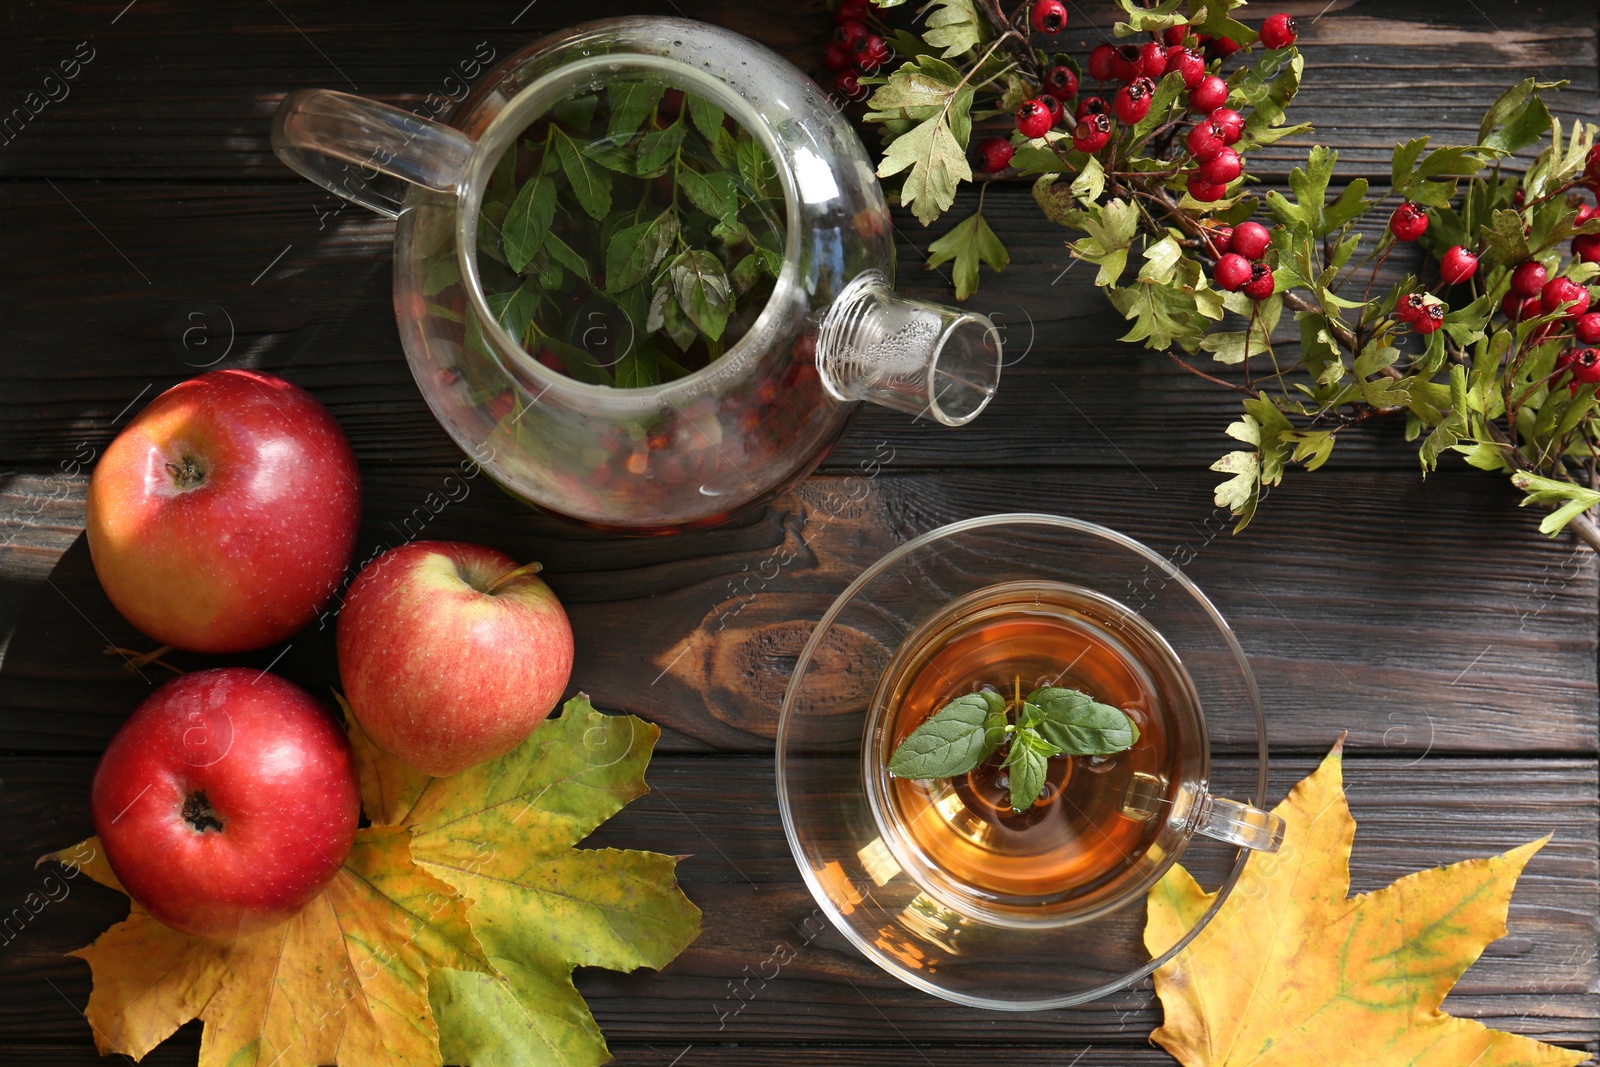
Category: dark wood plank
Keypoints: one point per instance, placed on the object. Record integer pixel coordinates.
(1427, 617)
(184, 92)
(721, 813)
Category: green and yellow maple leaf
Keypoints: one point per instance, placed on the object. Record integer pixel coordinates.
(345, 981)
(502, 834)
(1295, 971)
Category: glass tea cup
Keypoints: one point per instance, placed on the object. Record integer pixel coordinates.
(687, 452)
(940, 883)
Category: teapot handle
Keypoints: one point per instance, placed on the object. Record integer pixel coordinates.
(367, 152)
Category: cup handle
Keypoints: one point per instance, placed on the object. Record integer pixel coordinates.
(1238, 824)
(367, 152)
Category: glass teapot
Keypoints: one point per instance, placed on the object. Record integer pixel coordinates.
(691, 451)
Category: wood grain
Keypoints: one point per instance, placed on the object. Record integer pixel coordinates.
(721, 814)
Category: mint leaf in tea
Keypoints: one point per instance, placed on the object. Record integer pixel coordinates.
(1052, 721)
(631, 236)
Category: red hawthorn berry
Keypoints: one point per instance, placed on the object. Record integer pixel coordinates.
(1529, 278)
(849, 31)
(1052, 104)
(1229, 123)
(848, 82)
(1221, 239)
(1519, 308)
(1231, 272)
(1409, 222)
(1409, 308)
(1261, 283)
(1092, 133)
(1210, 94)
(1457, 265)
(852, 9)
(1251, 239)
(1584, 365)
(1587, 328)
(838, 56)
(1152, 60)
(1204, 141)
(1049, 17)
(1586, 211)
(1586, 246)
(1034, 118)
(1221, 168)
(1125, 63)
(1133, 101)
(871, 51)
(994, 154)
(1203, 191)
(1174, 35)
(1100, 62)
(1061, 82)
(1187, 62)
(1565, 291)
(1278, 31)
(1092, 105)
(1223, 47)
(1431, 319)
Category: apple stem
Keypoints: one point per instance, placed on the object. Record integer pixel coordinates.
(137, 659)
(511, 576)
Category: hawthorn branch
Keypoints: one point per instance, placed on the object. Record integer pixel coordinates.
(1008, 34)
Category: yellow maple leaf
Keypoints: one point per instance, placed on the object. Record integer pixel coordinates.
(345, 981)
(1294, 972)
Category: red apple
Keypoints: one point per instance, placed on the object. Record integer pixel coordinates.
(223, 516)
(226, 801)
(451, 654)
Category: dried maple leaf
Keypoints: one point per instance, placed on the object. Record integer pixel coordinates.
(502, 833)
(1294, 972)
(345, 981)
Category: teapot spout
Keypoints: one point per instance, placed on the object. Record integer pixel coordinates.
(934, 361)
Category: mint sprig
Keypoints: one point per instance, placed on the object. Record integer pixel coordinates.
(1051, 721)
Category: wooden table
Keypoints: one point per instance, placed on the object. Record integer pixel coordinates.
(1429, 618)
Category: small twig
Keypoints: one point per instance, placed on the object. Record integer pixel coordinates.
(1197, 372)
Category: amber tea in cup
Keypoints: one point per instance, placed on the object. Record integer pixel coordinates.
(1103, 828)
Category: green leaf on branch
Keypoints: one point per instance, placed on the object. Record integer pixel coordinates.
(918, 90)
(937, 162)
(1110, 228)
(968, 243)
(1517, 119)
(953, 25)
(1163, 16)
(1568, 500)
(1234, 346)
